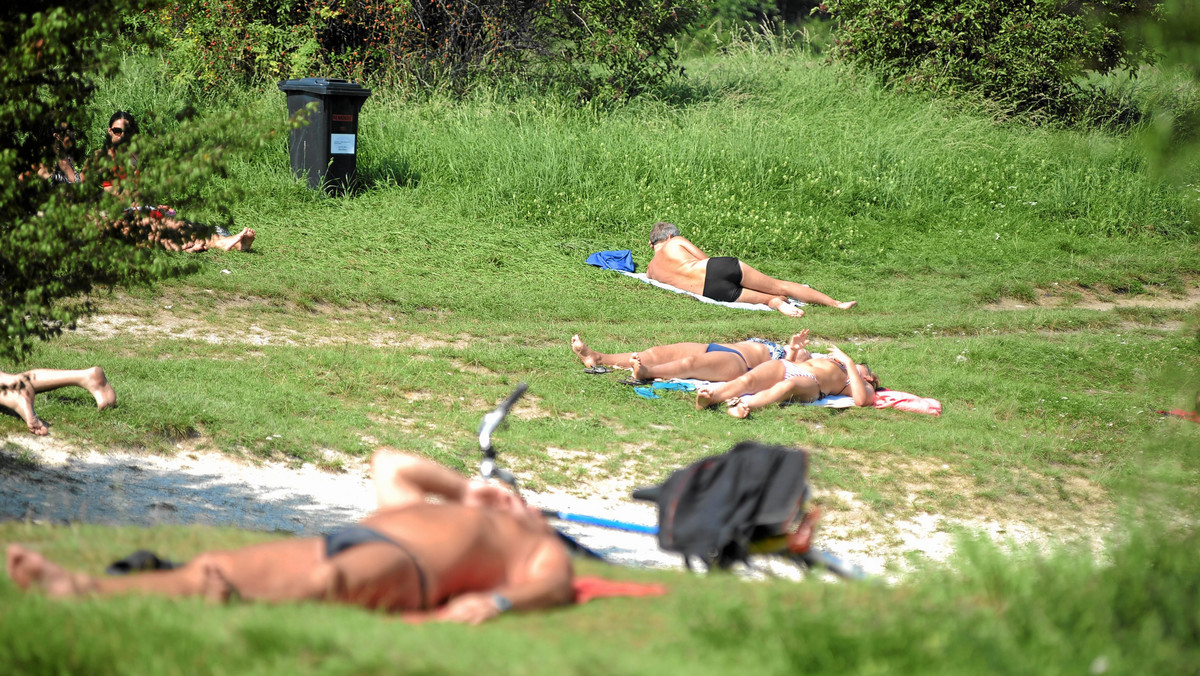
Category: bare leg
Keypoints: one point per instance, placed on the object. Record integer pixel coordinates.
(591, 358)
(649, 357)
(93, 380)
(16, 393)
(375, 575)
(803, 389)
(759, 378)
(756, 281)
(779, 303)
(714, 366)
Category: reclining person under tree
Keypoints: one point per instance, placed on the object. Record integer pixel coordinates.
(477, 553)
(683, 265)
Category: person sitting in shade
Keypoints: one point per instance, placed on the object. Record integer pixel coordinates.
(683, 265)
(477, 553)
(158, 223)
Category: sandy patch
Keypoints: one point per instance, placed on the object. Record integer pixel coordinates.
(48, 480)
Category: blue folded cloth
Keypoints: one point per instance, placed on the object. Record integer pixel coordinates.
(613, 260)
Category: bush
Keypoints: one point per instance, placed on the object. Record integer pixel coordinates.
(58, 243)
(606, 48)
(1026, 54)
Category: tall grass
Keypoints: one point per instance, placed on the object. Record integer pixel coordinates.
(401, 313)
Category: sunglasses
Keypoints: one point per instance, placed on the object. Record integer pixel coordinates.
(117, 131)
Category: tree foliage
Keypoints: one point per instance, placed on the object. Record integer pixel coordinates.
(59, 243)
(1026, 53)
(601, 48)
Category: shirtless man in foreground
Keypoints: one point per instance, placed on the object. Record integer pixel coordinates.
(16, 391)
(478, 552)
(683, 265)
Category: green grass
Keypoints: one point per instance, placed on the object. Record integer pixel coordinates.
(402, 313)
(997, 614)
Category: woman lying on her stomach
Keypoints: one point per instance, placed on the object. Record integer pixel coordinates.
(799, 376)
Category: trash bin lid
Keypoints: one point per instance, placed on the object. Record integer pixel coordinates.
(324, 85)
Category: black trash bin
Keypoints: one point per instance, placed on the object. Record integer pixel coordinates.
(325, 149)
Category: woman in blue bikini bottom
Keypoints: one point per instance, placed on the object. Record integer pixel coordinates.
(703, 361)
(798, 377)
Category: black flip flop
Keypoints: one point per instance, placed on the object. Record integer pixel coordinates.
(597, 370)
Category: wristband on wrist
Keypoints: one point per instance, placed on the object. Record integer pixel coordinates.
(502, 603)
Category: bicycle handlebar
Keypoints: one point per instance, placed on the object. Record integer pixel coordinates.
(489, 424)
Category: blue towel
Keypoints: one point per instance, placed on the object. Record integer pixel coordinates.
(613, 260)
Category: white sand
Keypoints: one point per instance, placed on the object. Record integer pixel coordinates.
(45, 480)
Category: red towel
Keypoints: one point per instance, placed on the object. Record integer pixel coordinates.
(1186, 415)
(588, 588)
(907, 402)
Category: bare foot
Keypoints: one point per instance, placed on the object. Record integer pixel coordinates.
(238, 242)
(20, 399)
(588, 356)
(847, 305)
(704, 397)
(786, 307)
(215, 588)
(97, 384)
(28, 569)
(248, 236)
(737, 408)
(639, 371)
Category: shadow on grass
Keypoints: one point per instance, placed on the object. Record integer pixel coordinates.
(387, 173)
(122, 490)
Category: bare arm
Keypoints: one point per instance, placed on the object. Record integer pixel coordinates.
(402, 479)
(545, 582)
(863, 394)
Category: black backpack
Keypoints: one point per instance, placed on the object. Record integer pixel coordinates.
(715, 507)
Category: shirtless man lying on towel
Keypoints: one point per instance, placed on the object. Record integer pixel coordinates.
(683, 265)
(477, 553)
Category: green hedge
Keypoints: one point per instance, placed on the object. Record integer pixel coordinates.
(1028, 54)
(595, 48)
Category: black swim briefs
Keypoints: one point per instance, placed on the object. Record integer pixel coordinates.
(351, 536)
(723, 279)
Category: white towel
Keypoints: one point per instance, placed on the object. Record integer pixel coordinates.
(641, 277)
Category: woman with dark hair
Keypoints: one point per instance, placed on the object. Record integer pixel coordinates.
(64, 169)
(799, 376)
(121, 128)
(159, 221)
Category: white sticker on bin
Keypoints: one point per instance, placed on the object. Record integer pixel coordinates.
(341, 144)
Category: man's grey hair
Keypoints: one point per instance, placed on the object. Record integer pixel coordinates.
(662, 231)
